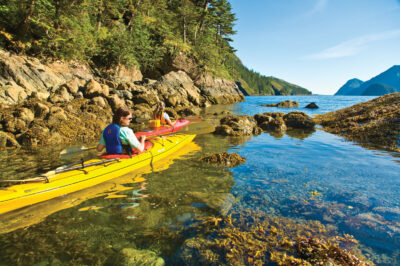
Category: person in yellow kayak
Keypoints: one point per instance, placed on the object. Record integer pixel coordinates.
(162, 116)
(117, 137)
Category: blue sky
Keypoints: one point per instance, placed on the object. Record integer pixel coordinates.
(318, 44)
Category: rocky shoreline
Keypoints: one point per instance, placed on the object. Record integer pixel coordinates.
(67, 102)
(374, 123)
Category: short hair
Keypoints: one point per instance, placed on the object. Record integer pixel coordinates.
(120, 112)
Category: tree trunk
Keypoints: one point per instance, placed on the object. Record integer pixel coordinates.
(184, 29)
(57, 14)
(24, 25)
(99, 15)
(202, 19)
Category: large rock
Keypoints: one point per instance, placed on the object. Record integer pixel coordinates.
(219, 90)
(178, 89)
(236, 126)
(122, 73)
(376, 122)
(94, 89)
(30, 75)
(298, 120)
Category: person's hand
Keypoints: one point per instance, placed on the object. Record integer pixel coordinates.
(142, 138)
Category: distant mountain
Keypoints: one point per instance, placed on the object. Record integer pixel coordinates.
(349, 86)
(253, 83)
(378, 89)
(386, 82)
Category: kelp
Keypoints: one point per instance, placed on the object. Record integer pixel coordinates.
(254, 238)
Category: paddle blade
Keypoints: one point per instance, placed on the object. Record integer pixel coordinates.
(193, 118)
(76, 149)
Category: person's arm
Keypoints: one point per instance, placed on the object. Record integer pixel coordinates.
(141, 146)
(168, 120)
(102, 143)
(129, 137)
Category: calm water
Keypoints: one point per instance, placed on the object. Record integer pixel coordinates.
(357, 193)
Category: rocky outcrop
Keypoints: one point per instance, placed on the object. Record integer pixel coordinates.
(21, 76)
(374, 123)
(184, 85)
(275, 122)
(312, 105)
(37, 122)
(224, 159)
(216, 90)
(284, 104)
(43, 103)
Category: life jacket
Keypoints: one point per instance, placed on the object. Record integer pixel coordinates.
(111, 137)
(162, 119)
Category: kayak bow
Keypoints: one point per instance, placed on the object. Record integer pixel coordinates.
(54, 184)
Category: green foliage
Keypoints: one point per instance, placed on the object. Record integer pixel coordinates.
(132, 32)
(256, 84)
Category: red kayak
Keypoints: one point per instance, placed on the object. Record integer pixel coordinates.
(163, 129)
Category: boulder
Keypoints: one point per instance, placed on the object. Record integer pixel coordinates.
(73, 85)
(114, 101)
(236, 126)
(147, 98)
(61, 96)
(25, 114)
(124, 94)
(93, 89)
(41, 110)
(275, 124)
(7, 140)
(99, 101)
(298, 120)
(14, 93)
(312, 105)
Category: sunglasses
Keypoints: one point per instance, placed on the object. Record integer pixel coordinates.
(130, 118)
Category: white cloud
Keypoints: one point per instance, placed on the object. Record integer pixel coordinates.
(353, 46)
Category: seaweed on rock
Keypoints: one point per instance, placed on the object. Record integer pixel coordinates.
(249, 237)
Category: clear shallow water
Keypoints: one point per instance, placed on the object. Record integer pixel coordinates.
(357, 192)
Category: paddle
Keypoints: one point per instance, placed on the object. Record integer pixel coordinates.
(76, 149)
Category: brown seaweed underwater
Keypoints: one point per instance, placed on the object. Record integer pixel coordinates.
(254, 238)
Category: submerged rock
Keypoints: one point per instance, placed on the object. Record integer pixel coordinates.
(131, 256)
(225, 159)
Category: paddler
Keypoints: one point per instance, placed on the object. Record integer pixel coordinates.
(162, 116)
(117, 137)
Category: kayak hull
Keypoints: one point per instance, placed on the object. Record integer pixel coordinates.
(18, 196)
(164, 129)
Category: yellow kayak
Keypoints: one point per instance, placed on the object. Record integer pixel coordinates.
(80, 176)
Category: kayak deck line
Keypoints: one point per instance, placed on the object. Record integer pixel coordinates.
(97, 171)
